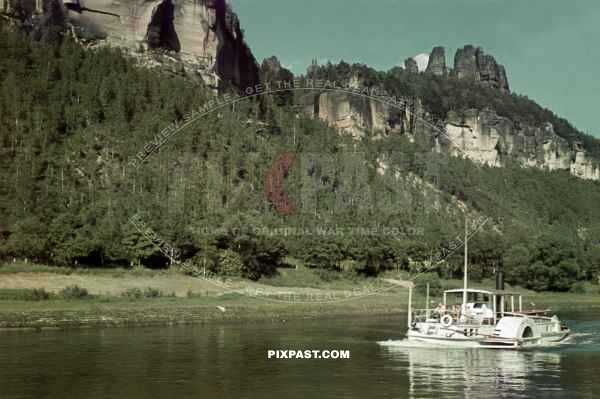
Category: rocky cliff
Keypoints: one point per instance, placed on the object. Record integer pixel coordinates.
(411, 65)
(204, 36)
(480, 135)
(437, 62)
(493, 140)
(352, 115)
(472, 63)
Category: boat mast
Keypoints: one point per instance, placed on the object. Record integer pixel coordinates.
(409, 306)
(464, 304)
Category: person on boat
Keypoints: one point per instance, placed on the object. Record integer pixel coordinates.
(440, 309)
(455, 311)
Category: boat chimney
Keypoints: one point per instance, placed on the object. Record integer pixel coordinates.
(499, 280)
(499, 287)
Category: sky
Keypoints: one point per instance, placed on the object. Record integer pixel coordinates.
(550, 48)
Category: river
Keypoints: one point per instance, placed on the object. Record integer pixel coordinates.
(230, 361)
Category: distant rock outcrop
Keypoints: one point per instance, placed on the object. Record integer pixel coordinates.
(411, 65)
(437, 62)
(472, 63)
(481, 135)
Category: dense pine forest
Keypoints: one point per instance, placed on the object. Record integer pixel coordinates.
(71, 119)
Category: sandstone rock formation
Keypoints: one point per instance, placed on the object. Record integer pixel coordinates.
(161, 32)
(437, 62)
(465, 63)
(411, 65)
(271, 65)
(487, 138)
(204, 35)
(472, 63)
(352, 115)
(481, 135)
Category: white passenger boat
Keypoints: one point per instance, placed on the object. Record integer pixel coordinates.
(483, 318)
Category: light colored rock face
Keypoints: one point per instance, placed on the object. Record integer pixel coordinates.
(472, 143)
(352, 115)
(193, 20)
(481, 136)
(491, 140)
(204, 35)
(584, 167)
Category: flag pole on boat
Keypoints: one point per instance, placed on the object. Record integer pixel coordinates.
(409, 306)
(427, 303)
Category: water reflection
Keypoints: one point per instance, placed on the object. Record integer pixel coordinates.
(230, 361)
(471, 373)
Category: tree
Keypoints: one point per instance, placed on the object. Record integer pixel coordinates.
(230, 263)
(516, 261)
(136, 246)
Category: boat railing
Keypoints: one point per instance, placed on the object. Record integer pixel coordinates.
(431, 315)
(420, 315)
(535, 317)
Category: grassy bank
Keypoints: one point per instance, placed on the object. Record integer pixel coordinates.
(34, 296)
(40, 296)
(123, 312)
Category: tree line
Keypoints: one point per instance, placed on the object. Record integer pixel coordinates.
(72, 118)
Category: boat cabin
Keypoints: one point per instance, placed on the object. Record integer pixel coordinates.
(487, 306)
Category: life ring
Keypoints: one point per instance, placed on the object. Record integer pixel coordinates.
(446, 320)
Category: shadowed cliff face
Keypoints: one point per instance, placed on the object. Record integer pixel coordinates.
(235, 63)
(161, 30)
(204, 34)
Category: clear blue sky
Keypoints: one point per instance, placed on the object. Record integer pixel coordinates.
(550, 48)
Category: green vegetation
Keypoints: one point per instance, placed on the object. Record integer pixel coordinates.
(443, 94)
(72, 119)
(75, 305)
(73, 292)
(24, 294)
(136, 293)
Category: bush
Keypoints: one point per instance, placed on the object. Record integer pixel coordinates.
(584, 287)
(327, 275)
(24, 294)
(152, 293)
(230, 263)
(136, 293)
(300, 277)
(74, 292)
(133, 293)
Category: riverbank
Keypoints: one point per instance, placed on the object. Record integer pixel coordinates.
(46, 297)
(36, 296)
(113, 312)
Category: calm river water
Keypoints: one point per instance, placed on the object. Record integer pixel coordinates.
(230, 361)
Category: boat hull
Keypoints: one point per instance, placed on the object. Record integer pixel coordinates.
(433, 334)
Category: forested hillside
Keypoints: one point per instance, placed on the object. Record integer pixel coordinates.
(71, 119)
(441, 94)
